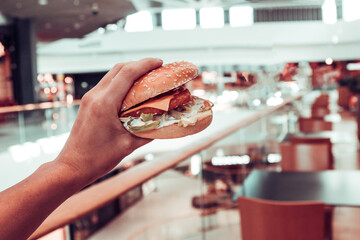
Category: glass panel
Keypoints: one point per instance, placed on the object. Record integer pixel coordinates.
(196, 199)
(31, 138)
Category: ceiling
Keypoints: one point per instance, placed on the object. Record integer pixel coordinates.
(56, 19)
(67, 18)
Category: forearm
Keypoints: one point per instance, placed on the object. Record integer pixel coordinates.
(97, 143)
(25, 205)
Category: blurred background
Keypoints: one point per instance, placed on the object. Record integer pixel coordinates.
(265, 64)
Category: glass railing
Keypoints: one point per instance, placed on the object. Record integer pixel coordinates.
(169, 189)
(31, 135)
(195, 198)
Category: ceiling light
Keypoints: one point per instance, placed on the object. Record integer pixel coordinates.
(230, 160)
(43, 2)
(212, 17)
(350, 10)
(76, 2)
(77, 25)
(3, 19)
(241, 16)
(335, 39)
(177, 19)
(101, 30)
(95, 9)
(329, 12)
(68, 80)
(111, 27)
(353, 66)
(329, 61)
(139, 22)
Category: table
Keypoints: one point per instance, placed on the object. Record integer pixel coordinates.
(333, 187)
(334, 136)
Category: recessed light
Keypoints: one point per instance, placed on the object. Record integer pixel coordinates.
(111, 27)
(77, 25)
(329, 61)
(42, 2)
(101, 30)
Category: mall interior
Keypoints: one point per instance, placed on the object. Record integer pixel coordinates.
(280, 159)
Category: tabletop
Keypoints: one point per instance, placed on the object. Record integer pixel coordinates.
(333, 187)
(335, 136)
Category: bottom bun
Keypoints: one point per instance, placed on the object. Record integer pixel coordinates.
(175, 131)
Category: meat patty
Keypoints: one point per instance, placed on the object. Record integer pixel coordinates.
(180, 97)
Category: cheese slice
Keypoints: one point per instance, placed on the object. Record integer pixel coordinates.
(161, 103)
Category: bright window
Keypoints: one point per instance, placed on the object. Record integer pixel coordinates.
(212, 17)
(351, 10)
(176, 19)
(329, 14)
(139, 22)
(241, 16)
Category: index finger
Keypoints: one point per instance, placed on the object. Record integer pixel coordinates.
(125, 78)
(110, 75)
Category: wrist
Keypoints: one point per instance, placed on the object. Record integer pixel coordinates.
(72, 173)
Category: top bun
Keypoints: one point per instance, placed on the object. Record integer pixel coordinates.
(158, 81)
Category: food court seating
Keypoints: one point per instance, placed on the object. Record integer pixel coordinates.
(320, 107)
(311, 125)
(344, 96)
(319, 112)
(265, 219)
(306, 154)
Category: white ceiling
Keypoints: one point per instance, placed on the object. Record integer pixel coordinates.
(56, 19)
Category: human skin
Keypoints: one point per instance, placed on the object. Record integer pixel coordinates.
(96, 144)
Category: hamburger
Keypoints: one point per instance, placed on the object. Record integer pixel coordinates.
(159, 106)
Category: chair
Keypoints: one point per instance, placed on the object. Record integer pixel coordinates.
(277, 220)
(319, 112)
(311, 125)
(306, 154)
(344, 96)
(321, 101)
(320, 107)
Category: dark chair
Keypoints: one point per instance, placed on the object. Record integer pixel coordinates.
(306, 154)
(278, 220)
(311, 125)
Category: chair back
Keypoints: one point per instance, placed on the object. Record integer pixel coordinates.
(320, 107)
(311, 125)
(278, 220)
(319, 112)
(306, 154)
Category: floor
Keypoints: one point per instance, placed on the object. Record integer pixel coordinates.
(167, 213)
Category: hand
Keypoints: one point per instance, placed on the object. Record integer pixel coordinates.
(98, 141)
